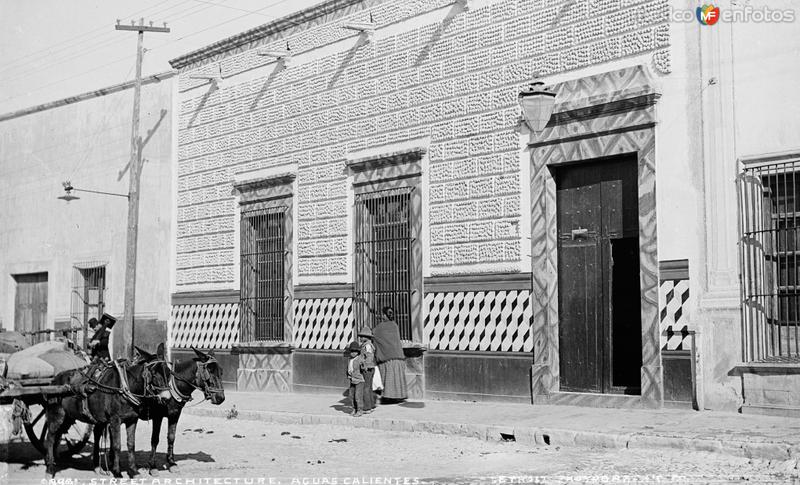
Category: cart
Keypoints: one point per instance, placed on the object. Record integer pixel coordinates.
(29, 397)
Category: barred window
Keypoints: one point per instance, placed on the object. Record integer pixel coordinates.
(382, 261)
(769, 245)
(263, 265)
(89, 295)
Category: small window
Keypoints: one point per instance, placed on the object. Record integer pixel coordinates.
(89, 296)
(263, 243)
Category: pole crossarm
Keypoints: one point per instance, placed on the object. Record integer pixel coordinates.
(142, 28)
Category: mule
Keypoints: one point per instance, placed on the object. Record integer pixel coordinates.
(202, 372)
(109, 405)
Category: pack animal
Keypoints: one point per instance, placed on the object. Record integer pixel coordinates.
(203, 373)
(121, 394)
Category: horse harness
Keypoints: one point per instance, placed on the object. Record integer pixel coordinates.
(150, 389)
(202, 376)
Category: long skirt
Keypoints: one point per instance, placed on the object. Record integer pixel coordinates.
(393, 374)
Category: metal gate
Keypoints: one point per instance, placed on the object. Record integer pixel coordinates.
(262, 274)
(88, 297)
(770, 212)
(382, 258)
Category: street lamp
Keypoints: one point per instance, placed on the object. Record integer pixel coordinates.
(130, 276)
(537, 102)
(68, 189)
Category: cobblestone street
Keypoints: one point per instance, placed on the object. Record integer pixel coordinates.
(219, 448)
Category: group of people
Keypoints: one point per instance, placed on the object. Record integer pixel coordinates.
(376, 361)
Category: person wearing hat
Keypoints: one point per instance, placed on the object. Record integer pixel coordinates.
(98, 344)
(368, 352)
(355, 366)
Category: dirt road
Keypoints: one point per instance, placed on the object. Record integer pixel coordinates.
(220, 451)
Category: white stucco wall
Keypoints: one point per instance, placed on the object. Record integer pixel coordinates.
(88, 143)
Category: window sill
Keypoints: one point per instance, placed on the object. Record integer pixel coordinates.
(262, 347)
(768, 368)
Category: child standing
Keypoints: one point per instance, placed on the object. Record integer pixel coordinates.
(355, 365)
(368, 352)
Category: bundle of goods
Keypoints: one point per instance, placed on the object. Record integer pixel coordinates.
(11, 342)
(43, 360)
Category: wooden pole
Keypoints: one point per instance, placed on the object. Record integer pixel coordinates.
(124, 335)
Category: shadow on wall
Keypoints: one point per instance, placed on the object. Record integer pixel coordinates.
(456, 9)
(143, 143)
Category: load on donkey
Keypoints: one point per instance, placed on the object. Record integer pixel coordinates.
(103, 394)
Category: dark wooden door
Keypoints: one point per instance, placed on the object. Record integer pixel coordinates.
(30, 304)
(580, 291)
(589, 220)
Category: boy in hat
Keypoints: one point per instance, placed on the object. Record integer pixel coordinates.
(99, 341)
(355, 364)
(368, 352)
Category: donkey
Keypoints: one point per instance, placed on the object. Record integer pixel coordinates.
(112, 403)
(204, 373)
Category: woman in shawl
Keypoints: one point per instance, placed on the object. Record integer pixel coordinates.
(389, 356)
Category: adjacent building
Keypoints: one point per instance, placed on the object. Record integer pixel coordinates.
(367, 153)
(63, 262)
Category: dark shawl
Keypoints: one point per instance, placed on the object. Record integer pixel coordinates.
(386, 336)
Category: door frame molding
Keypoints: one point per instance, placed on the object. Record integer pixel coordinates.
(598, 116)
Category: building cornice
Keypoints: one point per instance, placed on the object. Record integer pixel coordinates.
(87, 95)
(258, 33)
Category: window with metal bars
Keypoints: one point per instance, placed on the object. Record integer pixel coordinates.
(770, 259)
(263, 254)
(382, 257)
(89, 296)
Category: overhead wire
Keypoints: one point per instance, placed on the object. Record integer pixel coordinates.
(104, 65)
(70, 43)
(210, 5)
(116, 39)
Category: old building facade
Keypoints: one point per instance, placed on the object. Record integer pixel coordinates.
(369, 153)
(63, 262)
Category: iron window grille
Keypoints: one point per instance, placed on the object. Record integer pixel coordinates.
(770, 266)
(262, 274)
(382, 257)
(88, 297)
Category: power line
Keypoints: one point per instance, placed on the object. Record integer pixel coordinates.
(219, 24)
(154, 48)
(100, 67)
(256, 12)
(69, 43)
(110, 41)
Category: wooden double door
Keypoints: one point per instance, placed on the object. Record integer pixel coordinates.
(598, 277)
(30, 305)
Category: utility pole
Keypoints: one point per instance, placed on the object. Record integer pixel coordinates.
(124, 336)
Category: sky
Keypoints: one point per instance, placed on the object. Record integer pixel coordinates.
(52, 49)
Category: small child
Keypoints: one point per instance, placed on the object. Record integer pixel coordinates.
(355, 365)
(368, 352)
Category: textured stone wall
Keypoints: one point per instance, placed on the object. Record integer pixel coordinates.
(453, 78)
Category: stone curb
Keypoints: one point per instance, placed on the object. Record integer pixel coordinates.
(527, 435)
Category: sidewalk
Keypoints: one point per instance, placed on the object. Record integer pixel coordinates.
(753, 436)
